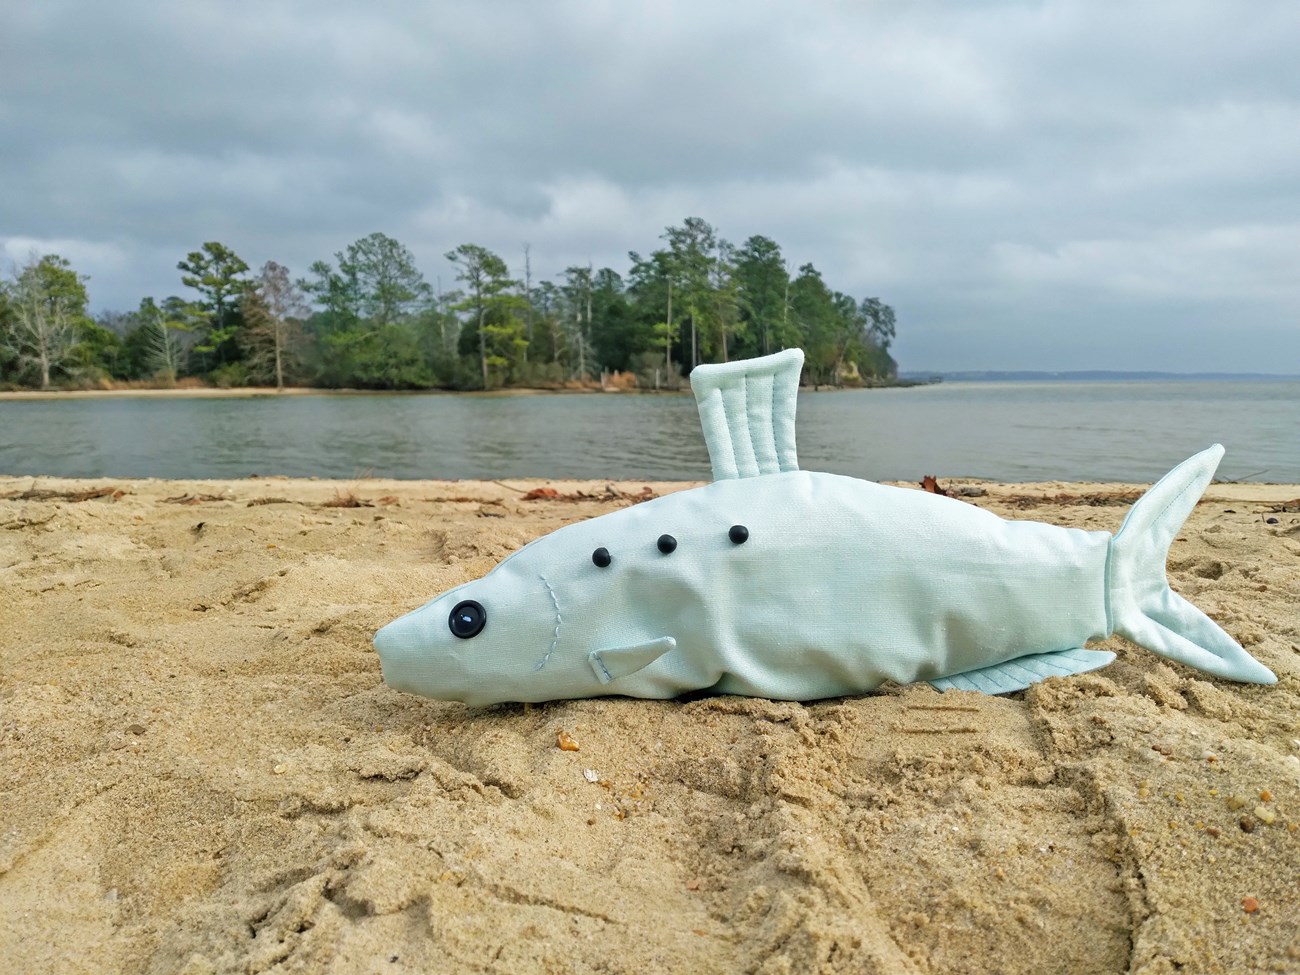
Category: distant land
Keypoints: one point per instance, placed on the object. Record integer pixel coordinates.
(1095, 375)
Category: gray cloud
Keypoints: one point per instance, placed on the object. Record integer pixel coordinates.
(1032, 185)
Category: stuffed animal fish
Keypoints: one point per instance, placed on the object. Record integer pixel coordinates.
(781, 583)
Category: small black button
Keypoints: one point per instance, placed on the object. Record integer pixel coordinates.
(738, 534)
(667, 544)
(467, 619)
(601, 557)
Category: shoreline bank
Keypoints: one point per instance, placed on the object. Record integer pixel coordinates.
(253, 392)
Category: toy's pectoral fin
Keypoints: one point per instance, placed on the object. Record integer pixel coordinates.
(619, 662)
(1016, 675)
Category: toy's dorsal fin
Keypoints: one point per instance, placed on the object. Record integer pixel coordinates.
(747, 412)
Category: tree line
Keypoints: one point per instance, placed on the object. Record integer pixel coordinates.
(369, 319)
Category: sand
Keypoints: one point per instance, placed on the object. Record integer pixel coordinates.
(201, 771)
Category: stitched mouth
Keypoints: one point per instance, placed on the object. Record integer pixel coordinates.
(555, 640)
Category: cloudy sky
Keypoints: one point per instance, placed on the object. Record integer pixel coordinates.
(1038, 185)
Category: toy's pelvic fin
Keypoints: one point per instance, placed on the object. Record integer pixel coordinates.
(1142, 606)
(610, 665)
(1016, 675)
(747, 412)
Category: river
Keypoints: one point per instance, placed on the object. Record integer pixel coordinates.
(1012, 431)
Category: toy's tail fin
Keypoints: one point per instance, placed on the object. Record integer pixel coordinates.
(1143, 607)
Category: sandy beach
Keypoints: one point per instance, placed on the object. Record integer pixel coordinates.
(201, 771)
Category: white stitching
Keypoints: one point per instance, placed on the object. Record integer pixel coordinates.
(555, 642)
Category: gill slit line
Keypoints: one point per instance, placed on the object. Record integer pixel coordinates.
(555, 642)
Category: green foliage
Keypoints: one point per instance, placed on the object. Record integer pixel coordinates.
(159, 339)
(373, 322)
(99, 354)
(493, 324)
(376, 280)
(230, 375)
(388, 357)
(217, 273)
(691, 249)
(764, 286)
(617, 338)
(45, 308)
(549, 344)
(815, 319)
(274, 309)
(8, 358)
(338, 298)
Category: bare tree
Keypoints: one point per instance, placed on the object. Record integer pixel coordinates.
(170, 334)
(274, 309)
(577, 289)
(47, 302)
(528, 293)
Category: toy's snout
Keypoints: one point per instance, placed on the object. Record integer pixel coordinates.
(405, 648)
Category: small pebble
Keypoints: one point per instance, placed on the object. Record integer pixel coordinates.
(1212, 831)
(1265, 795)
(1249, 904)
(591, 775)
(1265, 815)
(564, 742)
(1270, 521)
(1235, 802)
(1247, 824)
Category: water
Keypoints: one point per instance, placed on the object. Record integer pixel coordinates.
(1015, 431)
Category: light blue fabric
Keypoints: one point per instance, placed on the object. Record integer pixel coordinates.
(1016, 675)
(747, 412)
(839, 585)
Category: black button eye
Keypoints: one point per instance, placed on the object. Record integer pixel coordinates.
(467, 619)
(667, 544)
(738, 534)
(601, 557)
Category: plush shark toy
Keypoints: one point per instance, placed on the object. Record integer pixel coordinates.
(781, 583)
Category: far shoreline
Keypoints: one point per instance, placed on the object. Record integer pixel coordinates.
(261, 392)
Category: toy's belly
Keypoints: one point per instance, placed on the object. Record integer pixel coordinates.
(845, 584)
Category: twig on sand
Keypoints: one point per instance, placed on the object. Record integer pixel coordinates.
(42, 494)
